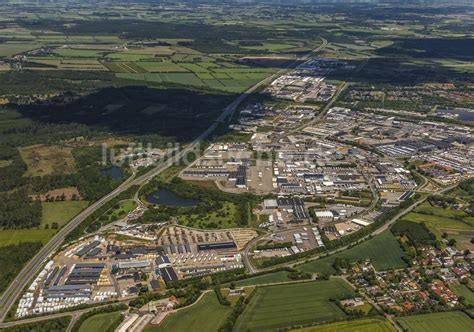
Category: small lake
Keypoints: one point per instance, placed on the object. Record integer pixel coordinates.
(115, 172)
(462, 115)
(167, 197)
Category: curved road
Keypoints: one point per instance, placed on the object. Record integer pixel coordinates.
(33, 267)
(252, 269)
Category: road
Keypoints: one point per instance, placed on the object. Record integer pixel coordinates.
(33, 267)
(74, 316)
(252, 269)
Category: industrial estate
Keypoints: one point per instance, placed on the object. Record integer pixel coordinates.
(197, 166)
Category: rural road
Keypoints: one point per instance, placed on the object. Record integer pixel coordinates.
(33, 267)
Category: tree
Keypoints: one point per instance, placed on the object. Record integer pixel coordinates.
(205, 282)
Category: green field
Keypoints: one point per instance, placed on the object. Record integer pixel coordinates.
(376, 324)
(464, 291)
(383, 250)
(100, 322)
(58, 212)
(269, 278)
(223, 218)
(207, 314)
(438, 322)
(456, 223)
(282, 306)
(121, 210)
(10, 49)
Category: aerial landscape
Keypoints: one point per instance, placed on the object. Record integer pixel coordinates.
(261, 165)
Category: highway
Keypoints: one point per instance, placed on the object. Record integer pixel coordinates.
(33, 267)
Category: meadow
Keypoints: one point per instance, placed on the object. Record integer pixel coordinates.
(456, 223)
(383, 250)
(100, 322)
(288, 305)
(463, 291)
(52, 212)
(172, 65)
(437, 322)
(375, 324)
(274, 277)
(226, 217)
(121, 210)
(44, 160)
(207, 314)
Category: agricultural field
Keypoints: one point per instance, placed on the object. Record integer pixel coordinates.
(456, 223)
(172, 65)
(282, 306)
(16, 236)
(60, 212)
(376, 324)
(52, 212)
(437, 322)
(383, 250)
(100, 322)
(463, 291)
(12, 48)
(208, 314)
(48, 160)
(270, 278)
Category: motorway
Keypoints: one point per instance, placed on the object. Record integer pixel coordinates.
(33, 267)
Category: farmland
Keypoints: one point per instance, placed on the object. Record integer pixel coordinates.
(388, 258)
(268, 278)
(208, 314)
(60, 212)
(456, 223)
(100, 322)
(377, 324)
(170, 65)
(286, 305)
(437, 322)
(52, 213)
(465, 292)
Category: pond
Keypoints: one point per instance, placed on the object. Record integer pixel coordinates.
(115, 172)
(167, 197)
(459, 114)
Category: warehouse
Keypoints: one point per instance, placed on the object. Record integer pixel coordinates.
(133, 265)
(69, 291)
(168, 274)
(85, 250)
(239, 176)
(84, 273)
(217, 246)
(162, 262)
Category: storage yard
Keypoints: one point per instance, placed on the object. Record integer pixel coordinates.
(104, 268)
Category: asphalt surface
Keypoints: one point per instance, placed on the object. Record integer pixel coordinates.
(252, 269)
(33, 267)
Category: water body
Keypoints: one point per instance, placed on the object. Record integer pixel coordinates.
(115, 172)
(167, 197)
(462, 115)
